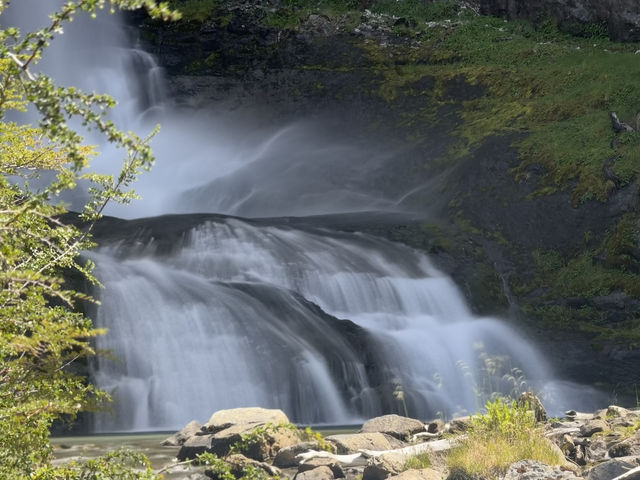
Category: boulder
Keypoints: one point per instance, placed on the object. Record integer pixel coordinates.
(625, 448)
(178, 438)
(385, 465)
(395, 425)
(351, 443)
(228, 427)
(534, 470)
(223, 419)
(458, 425)
(286, 457)
(436, 426)
(420, 474)
(593, 426)
(237, 463)
(613, 468)
(532, 403)
(319, 473)
(596, 451)
(312, 463)
(196, 445)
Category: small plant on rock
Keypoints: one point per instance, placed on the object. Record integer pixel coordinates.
(317, 437)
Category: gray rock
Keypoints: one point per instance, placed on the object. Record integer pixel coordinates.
(612, 469)
(195, 446)
(458, 425)
(533, 470)
(625, 448)
(178, 438)
(223, 419)
(312, 463)
(237, 463)
(320, 473)
(383, 466)
(351, 443)
(218, 443)
(286, 457)
(420, 474)
(394, 425)
(596, 451)
(593, 426)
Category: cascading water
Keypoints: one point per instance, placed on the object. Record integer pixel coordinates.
(331, 327)
(229, 319)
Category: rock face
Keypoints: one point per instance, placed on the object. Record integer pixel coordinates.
(620, 17)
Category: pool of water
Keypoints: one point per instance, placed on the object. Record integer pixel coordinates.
(91, 446)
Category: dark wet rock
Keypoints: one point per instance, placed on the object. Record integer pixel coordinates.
(319, 473)
(612, 469)
(312, 463)
(178, 438)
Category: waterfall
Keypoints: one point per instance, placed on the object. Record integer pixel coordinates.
(240, 314)
(331, 327)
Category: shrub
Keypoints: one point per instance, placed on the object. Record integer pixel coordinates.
(504, 435)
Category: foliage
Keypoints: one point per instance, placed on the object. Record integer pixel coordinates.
(196, 10)
(291, 12)
(218, 466)
(42, 337)
(258, 436)
(220, 469)
(121, 464)
(418, 11)
(504, 435)
(310, 435)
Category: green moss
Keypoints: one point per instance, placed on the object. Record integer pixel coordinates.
(417, 11)
(555, 88)
(196, 10)
(291, 13)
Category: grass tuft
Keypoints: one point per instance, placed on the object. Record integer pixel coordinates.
(504, 435)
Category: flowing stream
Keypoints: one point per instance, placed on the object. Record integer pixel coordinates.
(331, 327)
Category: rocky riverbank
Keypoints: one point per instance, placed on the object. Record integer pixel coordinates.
(257, 444)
